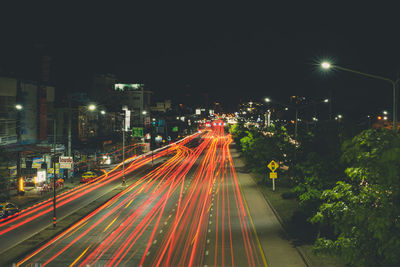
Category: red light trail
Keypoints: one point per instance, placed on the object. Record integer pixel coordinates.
(167, 218)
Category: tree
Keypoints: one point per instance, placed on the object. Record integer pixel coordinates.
(238, 131)
(259, 148)
(364, 209)
(317, 166)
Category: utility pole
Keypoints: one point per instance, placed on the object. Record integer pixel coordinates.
(295, 124)
(18, 132)
(394, 84)
(330, 105)
(54, 172)
(69, 131)
(123, 150)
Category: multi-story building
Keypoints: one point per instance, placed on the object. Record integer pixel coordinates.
(161, 106)
(28, 119)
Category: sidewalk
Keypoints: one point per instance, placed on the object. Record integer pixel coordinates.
(32, 195)
(278, 250)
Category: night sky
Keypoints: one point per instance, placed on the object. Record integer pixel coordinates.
(229, 52)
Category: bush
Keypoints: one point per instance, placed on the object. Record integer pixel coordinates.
(288, 195)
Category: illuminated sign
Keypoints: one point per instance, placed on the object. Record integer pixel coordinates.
(137, 132)
(41, 176)
(128, 86)
(65, 162)
(37, 163)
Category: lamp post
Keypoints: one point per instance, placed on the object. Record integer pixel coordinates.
(123, 150)
(326, 65)
(19, 108)
(54, 172)
(297, 110)
(93, 107)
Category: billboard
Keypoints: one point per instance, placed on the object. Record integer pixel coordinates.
(65, 162)
(128, 86)
(37, 163)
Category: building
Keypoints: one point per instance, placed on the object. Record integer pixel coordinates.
(162, 107)
(28, 121)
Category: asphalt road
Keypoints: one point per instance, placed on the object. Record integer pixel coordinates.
(189, 211)
(34, 219)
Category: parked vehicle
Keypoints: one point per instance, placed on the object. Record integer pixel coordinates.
(8, 209)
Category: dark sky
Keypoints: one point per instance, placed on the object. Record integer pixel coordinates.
(230, 52)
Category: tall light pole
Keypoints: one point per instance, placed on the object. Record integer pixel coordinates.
(297, 111)
(326, 65)
(19, 108)
(123, 150)
(54, 172)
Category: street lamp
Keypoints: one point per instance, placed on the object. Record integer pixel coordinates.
(326, 65)
(103, 112)
(92, 107)
(297, 110)
(18, 106)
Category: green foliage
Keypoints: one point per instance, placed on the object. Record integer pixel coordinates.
(238, 131)
(364, 210)
(260, 148)
(317, 167)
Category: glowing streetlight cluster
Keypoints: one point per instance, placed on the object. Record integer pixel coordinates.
(326, 65)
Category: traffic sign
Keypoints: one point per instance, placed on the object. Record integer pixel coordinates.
(137, 132)
(273, 175)
(273, 166)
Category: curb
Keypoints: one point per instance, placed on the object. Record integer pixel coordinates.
(306, 260)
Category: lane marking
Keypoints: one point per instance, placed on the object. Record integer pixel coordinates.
(128, 204)
(80, 256)
(109, 225)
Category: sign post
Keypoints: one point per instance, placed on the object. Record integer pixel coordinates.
(273, 175)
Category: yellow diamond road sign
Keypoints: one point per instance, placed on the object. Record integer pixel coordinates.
(273, 166)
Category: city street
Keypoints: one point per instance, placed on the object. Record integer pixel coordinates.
(30, 221)
(188, 211)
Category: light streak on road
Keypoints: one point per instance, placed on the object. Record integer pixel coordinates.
(43, 208)
(188, 207)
